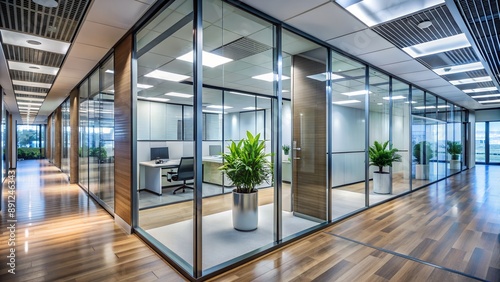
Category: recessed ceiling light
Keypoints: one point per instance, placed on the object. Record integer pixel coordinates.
(346, 102)
(470, 80)
(269, 77)
(33, 42)
(165, 75)
(213, 112)
(424, 24)
(438, 46)
(144, 86)
(251, 108)
(394, 97)
(424, 107)
(31, 84)
(30, 93)
(442, 106)
(32, 68)
(459, 68)
(208, 60)
(324, 76)
(30, 99)
(29, 104)
(489, 101)
(476, 90)
(374, 12)
(242, 94)
(177, 94)
(356, 93)
(109, 71)
(486, 96)
(39, 43)
(380, 104)
(153, 99)
(219, 107)
(413, 102)
(47, 3)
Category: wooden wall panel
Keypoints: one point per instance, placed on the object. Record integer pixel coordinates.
(57, 137)
(74, 107)
(123, 130)
(309, 133)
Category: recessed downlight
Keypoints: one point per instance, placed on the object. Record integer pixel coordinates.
(424, 24)
(33, 42)
(47, 3)
(33, 67)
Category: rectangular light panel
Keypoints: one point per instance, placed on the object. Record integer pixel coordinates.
(269, 77)
(31, 84)
(459, 68)
(144, 86)
(32, 68)
(356, 93)
(372, 12)
(34, 42)
(438, 46)
(155, 99)
(394, 98)
(30, 99)
(208, 60)
(489, 101)
(486, 96)
(180, 95)
(324, 76)
(165, 75)
(346, 102)
(477, 90)
(219, 107)
(471, 80)
(30, 93)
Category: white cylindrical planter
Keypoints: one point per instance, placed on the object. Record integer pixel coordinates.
(382, 182)
(245, 211)
(421, 171)
(454, 164)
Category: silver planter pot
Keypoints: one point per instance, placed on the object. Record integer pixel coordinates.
(245, 211)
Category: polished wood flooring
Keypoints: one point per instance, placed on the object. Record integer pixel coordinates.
(448, 231)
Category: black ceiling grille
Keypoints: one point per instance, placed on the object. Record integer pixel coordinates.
(58, 23)
(450, 58)
(404, 32)
(29, 88)
(241, 48)
(28, 96)
(33, 56)
(31, 76)
(483, 21)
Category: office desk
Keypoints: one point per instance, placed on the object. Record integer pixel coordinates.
(211, 172)
(152, 172)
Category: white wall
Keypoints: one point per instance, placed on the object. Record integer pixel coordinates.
(487, 115)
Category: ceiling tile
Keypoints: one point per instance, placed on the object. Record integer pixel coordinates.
(284, 9)
(404, 67)
(323, 22)
(105, 38)
(80, 64)
(428, 83)
(386, 56)
(88, 52)
(361, 42)
(419, 76)
(442, 89)
(117, 13)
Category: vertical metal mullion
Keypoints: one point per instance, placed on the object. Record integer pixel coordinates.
(329, 139)
(277, 121)
(367, 135)
(197, 110)
(391, 103)
(410, 132)
(135, 172)
(487, 142)
(223, 94)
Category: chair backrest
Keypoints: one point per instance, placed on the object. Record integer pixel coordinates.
(186, 168)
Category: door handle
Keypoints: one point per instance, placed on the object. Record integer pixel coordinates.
(296, 149)
(296, 158)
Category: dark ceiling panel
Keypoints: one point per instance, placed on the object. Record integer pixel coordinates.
(31, 76)
(404, 32)
(32, 56)
(450, 58)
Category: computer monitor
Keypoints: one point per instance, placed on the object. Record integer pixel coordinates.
(214, 150)
(159, 153)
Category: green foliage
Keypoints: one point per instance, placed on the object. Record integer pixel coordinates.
(98, 152)
(247, 164)
(28, 153)
(423, 152)
(286, 149)
(454, 148)
(381, 156)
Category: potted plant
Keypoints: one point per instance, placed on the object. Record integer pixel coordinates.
(286, 149)
(422, 152)
(454, 148)
(246, 165)
(381, 157)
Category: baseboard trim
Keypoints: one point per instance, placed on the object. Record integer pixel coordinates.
(123, 224)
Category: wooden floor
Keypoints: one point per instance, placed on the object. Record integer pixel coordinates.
(448, 231)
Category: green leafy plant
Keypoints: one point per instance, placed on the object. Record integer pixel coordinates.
(247, 164)
(381, 156)
(423, 152)
(454, 148)
(28, 153)
(286, 149)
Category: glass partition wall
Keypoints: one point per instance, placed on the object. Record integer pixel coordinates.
(317, 112)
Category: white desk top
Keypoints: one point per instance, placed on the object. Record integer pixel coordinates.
(212, 159)
(165, 164)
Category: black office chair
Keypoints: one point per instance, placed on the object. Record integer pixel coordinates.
(183, 173)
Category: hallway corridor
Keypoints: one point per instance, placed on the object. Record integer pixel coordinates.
(448, 231)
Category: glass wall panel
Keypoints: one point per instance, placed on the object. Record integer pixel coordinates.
(165, 130)
(442, 160)
(348, 135)
(494, 142)
(401, 136)
(83, 150)
(380, 187)
(457, 162)
(93, 137)
(480, 142)
(422, 149)
(4, 142)
(66, 137)
(28, 142)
